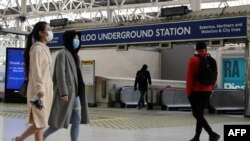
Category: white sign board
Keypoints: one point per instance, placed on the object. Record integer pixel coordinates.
(88, 71)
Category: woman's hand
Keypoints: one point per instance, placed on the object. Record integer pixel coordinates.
(40, 94)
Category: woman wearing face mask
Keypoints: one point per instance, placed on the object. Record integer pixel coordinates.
(38, 68)
(69, 104)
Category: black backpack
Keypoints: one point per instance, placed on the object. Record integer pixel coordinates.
(207, 72)
(141, 77)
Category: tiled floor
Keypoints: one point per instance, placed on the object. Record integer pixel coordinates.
(115, 124)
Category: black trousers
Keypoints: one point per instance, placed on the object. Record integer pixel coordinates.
(198, 101)
(141, 102)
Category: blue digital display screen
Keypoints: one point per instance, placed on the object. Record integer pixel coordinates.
(15, 73)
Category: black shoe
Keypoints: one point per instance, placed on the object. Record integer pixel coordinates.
(195, 139)
(214, 137)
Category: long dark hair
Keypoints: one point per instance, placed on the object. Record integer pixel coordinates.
(33, 36)
(68, 38)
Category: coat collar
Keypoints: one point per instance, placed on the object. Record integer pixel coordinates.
(202, 52)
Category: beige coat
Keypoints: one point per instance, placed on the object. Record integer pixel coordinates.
(40, 79)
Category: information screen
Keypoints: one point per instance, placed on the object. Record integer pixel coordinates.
(15, 73)
(233, 71)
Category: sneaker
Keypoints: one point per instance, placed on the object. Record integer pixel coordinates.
(214, 137)
(138, 107)
(195, 139)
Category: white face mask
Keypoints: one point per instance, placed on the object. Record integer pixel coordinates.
(50, 36)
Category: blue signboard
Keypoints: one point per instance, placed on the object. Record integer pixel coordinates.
(233, 73)
(57, 40)
(190, 30)
(14, 68)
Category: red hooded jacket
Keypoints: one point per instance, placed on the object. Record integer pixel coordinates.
(192, 84)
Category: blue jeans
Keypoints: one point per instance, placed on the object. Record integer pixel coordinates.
(75, 120)
(141, 102)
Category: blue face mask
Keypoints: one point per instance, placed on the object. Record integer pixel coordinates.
(76, 43)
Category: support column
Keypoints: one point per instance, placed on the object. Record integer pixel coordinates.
(109, 12)
(195, 5)
(21, 24)
(247, 87)
(20, 38)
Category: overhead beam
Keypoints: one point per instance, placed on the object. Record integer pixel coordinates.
(14, 32)
(104, 8)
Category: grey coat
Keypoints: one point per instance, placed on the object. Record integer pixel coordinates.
(66, 83)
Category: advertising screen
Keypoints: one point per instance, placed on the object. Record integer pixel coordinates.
(14, 68)
(233, 72)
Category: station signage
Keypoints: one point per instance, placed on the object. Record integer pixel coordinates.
(161, 32)
(88, 71)
(233, 73)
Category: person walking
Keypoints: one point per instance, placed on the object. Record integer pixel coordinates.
(142, 79)
(199, 93)
(69, 104)
(38, 63)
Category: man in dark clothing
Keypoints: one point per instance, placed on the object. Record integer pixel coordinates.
(142, 78)
(198, 94)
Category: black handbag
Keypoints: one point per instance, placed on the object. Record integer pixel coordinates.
(23, 90)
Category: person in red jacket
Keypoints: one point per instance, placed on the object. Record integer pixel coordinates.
(198, 94)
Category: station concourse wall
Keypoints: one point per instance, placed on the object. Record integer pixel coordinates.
(120, 64)
(112, 63)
